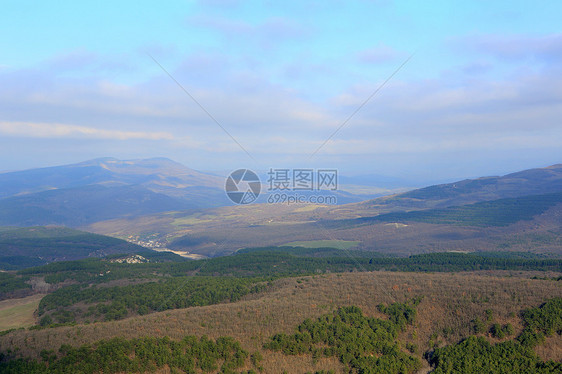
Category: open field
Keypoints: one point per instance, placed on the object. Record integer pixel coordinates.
(450, 302)
(16, 313)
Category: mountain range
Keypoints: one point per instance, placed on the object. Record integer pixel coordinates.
(79, 194)
(515, 212)
(159, 200)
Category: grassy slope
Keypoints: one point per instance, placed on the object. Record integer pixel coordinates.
(450, 302)
(16, 313)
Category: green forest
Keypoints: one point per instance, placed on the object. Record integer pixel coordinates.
(112, 303)
(476, 355)
(362, 344)
(286, 261)
(189, 355)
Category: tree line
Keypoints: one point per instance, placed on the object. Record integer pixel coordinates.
(112, 303)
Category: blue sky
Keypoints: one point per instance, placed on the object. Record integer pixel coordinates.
(481, 95)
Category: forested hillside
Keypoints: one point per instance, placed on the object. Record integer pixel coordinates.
(32, 246)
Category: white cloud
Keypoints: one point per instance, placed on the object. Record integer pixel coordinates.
(57, 130)
(275, 120)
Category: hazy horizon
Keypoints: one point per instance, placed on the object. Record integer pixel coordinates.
(364, 179)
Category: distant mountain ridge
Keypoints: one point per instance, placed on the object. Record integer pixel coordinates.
(154, 173)
(523, 183)
(105, 188)
(80, 194)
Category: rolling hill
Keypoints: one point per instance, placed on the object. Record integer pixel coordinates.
(450, 308)
(528, 182)
(79, 206)
(500, 212)
(32, 246)
(368, 264)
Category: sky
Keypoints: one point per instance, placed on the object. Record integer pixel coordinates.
(419, 90)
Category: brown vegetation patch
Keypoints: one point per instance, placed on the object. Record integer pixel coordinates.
(450, 302)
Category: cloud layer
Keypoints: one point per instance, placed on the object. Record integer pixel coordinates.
(493, 101)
